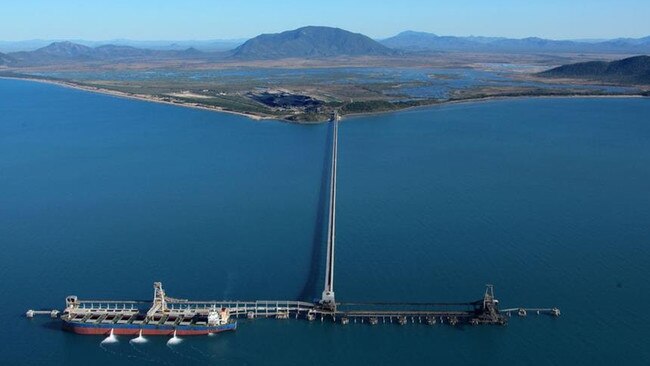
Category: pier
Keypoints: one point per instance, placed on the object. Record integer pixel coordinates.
(328, 300)
(171, 311)
(484, 311)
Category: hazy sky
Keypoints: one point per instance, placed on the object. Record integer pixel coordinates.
(219, 19)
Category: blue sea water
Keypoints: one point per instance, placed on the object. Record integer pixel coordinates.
(546, 198)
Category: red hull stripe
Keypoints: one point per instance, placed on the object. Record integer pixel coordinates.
(136, 332)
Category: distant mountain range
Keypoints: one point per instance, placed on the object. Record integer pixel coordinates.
(310, 42)
(205, 46)
(632, 70)
(62, 52)
(307, 42)
(5, 59)
(420, 41)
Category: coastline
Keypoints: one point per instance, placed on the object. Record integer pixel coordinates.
(255, 117)
(490, 99)
(140, 97)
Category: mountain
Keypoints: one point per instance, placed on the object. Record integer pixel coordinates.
(116, 51)
(5, 59)
(55, 52)
(412, 40)
(310, 42)
(65, 52)
(202, 45)
(421, 41)
(632, 70)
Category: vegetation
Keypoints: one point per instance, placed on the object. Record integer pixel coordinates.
(69, 52)
(305, 97)
(309, 117)
(5, 60)
(368, 107)
(310, 42)
(633, 70)
(420, 41)
(232, 103)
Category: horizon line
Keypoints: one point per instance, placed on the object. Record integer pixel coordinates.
(237, 39)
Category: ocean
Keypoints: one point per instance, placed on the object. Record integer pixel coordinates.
(545, 198)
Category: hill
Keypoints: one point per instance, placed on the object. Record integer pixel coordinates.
(162, 45)
(632, 70)
(5, 59)
(310, 42)
(65, 52)
(421, 41)
(115, 51)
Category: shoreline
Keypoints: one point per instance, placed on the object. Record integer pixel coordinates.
(493, 98)
(152, 99)
(140, 97)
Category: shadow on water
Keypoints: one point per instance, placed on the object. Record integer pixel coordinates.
(52, 325)
(309, 291)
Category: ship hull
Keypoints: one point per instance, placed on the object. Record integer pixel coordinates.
(146, 329)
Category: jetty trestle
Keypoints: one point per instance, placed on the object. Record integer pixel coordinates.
(484, 311)
(175, 312)
(328, 300)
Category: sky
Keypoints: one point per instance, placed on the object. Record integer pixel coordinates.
(235, 19)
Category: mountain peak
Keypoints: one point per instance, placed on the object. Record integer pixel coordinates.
(65, 49)
(191, 51)
(310, 42)
(64, 45)
(409, 33)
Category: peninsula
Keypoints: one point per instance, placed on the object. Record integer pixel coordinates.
(307, 74)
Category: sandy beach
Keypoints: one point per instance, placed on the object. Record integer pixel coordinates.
(150, 98)
(142, 97)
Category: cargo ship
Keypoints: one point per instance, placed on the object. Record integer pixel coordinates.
(166, 317)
